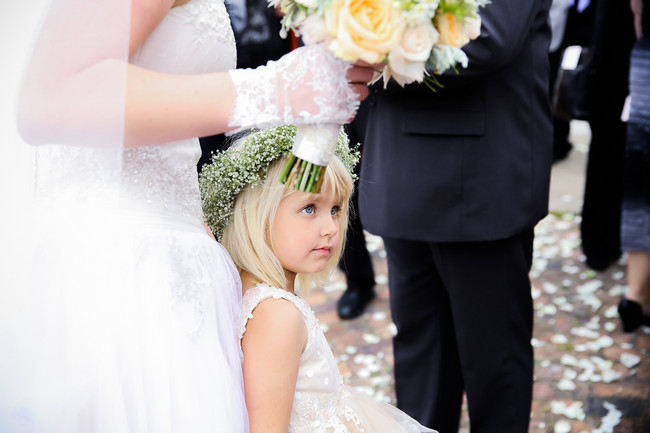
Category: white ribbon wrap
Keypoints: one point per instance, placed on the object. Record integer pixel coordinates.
(316, 143)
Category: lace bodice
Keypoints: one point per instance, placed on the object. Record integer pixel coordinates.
(165, 176)
(193, 38)
(319, 400)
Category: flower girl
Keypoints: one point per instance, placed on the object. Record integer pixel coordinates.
(282, 240)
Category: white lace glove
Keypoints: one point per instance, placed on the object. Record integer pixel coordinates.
(306, 86)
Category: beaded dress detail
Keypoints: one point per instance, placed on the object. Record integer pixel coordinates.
(323, 403)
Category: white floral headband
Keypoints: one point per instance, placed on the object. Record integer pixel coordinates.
(232, 170)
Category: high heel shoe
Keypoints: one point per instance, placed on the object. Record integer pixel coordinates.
(632, 316)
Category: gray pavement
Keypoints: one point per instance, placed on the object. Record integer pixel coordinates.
(568, 175)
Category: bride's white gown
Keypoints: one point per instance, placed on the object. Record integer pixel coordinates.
(127, 321)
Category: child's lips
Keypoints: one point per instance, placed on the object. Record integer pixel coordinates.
(324, 250)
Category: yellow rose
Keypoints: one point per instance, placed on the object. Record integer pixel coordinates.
(363, 29)
(406, 61)
(452, 32)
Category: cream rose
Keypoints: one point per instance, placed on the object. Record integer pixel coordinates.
(407, 59)
(313, 30)
(452, 32)
(473, 27)
(363, 29)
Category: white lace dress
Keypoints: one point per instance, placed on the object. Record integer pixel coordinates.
(322, 402)
(127, 321)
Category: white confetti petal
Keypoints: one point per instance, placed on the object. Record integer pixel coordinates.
(569, 360)
(363, 373)
(567, 307)
(559, 300)
(611, 420)
(381, 381)
(566, 385)
(570, 374)
(589, 287)
(562, 427)
(629, 360)
(371, 338)
(610, 326)
(617, 291)
(537, 343)
(549, 288)
(605, 341)
(336, 286)
(610, 376)
(573, 411)
(572, 270)
(611, 312)
(559, 339)
(549, 310)
(584, 332)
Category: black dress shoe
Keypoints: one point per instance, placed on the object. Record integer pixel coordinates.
(354, 301)
(632, 315)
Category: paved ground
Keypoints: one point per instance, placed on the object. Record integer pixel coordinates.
(589, 375)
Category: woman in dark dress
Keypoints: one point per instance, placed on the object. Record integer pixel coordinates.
(635, 219)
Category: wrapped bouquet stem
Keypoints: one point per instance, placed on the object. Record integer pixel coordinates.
(312, 150)
(415, 39)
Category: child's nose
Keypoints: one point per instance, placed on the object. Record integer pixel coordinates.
(330, 226)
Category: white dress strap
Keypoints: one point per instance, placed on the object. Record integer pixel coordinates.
(254, 296)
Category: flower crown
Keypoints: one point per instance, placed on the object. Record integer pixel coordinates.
(230, 171)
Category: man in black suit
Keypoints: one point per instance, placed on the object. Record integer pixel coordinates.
(454, 182)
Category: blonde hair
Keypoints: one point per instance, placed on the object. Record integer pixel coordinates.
(248, 237)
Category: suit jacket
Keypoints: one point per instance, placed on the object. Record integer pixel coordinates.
(470, 162)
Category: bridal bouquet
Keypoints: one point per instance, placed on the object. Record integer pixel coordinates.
(415, 39)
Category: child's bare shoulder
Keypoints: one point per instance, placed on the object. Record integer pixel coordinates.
(278, 311)
(273, 318)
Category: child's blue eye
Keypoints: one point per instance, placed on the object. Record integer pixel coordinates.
(335, 211)
(309, 209)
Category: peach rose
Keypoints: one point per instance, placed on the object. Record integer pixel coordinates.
(407, 60)
(363, 29)
(452, 32)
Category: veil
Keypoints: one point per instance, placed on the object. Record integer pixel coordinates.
(62, 99)
(62, 102)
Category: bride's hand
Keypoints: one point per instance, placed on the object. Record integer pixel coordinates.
(307, 85)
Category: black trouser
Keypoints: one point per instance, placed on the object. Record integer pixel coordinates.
(465, 319)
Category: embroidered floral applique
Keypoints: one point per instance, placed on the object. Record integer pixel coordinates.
(211, 20)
